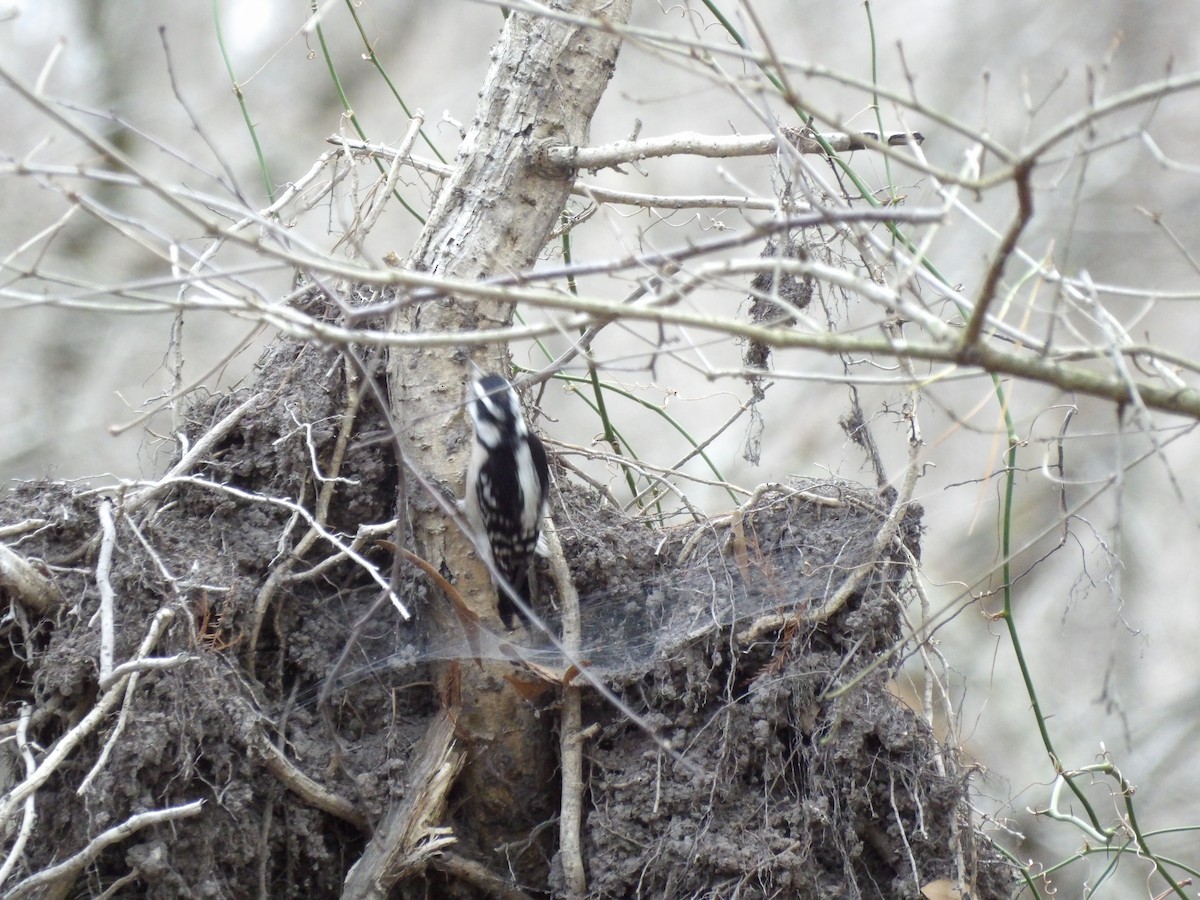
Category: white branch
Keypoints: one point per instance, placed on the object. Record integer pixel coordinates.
(621, 152)
(25, 584)
(149, 664)
(133, 668)
(193, 456)
(108, 542)
(70, 867)
(69, 741)
(689, 143)
(30, 817)
(308, 517)
(570, 825)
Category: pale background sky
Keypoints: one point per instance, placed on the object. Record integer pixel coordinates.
(1112, 647)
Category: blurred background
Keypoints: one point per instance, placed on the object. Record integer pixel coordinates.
(1107, 622)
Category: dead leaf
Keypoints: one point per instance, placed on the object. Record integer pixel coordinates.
(942, 889)
(529, 690)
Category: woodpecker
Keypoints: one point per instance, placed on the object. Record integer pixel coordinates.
(508, 482)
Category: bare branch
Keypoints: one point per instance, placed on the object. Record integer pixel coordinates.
(570, 823)
(308, 517)
(59, 878)
(68, 742)
(30, 816)
(191, 458)
(25, 584)
(108, 542)
(308, 790)
(148, 664)
(592, 159)
(408, 836)
(987, 292)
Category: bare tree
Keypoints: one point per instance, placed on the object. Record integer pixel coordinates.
(278, 666)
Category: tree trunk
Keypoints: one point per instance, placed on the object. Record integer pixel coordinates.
(493, 215)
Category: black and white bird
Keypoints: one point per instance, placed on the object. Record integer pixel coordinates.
(507, 491)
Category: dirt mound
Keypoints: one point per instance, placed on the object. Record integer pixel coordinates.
(242, 578)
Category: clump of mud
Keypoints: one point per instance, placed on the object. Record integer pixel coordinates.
(779, 764)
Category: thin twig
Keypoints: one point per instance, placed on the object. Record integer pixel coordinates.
(714, 146)
(317, 521)
(192, 458)
(883, 539)
(593, 192)
(98, 713)
(474, 873)
(402, 151)
(570, 821)
(133, 669)
(294, 507)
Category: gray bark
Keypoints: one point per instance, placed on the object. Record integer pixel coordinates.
(494, 215)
